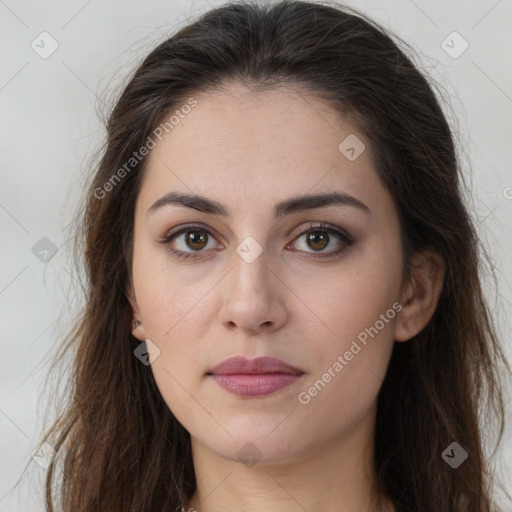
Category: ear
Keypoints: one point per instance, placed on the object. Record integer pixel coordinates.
(420, 295)
(137, 327)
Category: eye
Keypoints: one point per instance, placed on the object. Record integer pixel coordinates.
(321, 236)
(189, 240)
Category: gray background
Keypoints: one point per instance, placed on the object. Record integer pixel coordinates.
(49, 128)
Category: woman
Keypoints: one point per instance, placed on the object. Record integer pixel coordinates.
(284, 308)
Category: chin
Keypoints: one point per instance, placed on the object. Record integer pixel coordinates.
(257, 447)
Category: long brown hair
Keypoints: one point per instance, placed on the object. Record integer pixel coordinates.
(119, 445)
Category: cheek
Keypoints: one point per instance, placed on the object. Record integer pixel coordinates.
(349, 363)
(358, 307)
(169, 295)
(355, 295)
(176, 317)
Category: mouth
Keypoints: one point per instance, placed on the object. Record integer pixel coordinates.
(254, 377)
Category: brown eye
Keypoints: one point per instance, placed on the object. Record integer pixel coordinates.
(317, 240)
(196, 240)
(189, 241)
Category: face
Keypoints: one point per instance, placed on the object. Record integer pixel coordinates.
(313, 284)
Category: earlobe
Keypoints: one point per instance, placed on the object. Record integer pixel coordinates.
(138, 330)
(420, 295)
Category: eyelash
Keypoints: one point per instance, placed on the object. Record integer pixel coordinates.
(346, 239)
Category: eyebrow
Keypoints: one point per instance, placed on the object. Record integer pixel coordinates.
(291, 205)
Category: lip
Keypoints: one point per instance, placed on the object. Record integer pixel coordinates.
(258, 365)
(261, 376)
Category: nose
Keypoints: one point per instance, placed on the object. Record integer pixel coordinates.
(253, 297)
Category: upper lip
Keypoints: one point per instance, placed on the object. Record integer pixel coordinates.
(259, 365)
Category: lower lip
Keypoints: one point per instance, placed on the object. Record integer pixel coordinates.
(263, 384)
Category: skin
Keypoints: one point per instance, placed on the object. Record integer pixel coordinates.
(250, 151)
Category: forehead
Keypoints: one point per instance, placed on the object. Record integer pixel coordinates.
(246, 148)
